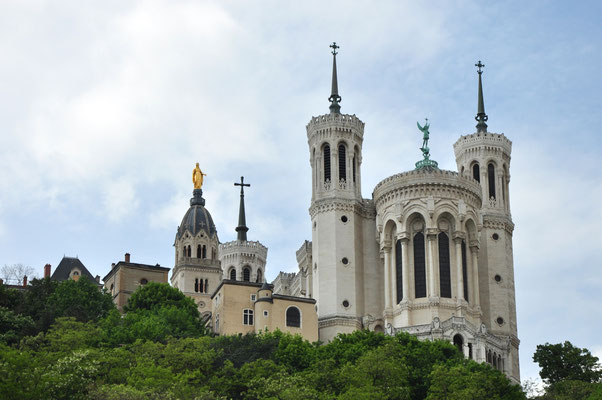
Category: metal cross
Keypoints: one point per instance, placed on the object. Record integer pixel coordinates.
(242, 185)
(334, 48)
(479, 65)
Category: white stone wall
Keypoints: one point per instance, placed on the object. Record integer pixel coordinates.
(238, 255)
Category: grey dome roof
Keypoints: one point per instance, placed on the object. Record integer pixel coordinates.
(197, 218)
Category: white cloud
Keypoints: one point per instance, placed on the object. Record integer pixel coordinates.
(120, 200)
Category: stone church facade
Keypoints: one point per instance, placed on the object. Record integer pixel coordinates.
(430, 253)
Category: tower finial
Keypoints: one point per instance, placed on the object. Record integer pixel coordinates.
(334, 98)
(481, 117)
(242, 224)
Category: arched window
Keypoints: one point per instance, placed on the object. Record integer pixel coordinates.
(470, 351)
(293, 317)
(495, 360)
(398, 271)
(444, 268)
(189, 252)
(491, 179)
(246, 274)
(259, 276)
(206, 286)
(196, 285)
(342, 162)
(459, 342)
(326, 153)
(217, 322)
(464, 271)
(201, 286)
(198, 251)
(184, 252)
(212, 253)
(476, 172)
(353, 168)
(419, 266)
(247, 317)
(204, 251)
(112, 288)
(233, 274)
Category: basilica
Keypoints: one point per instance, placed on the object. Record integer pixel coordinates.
(430, 253)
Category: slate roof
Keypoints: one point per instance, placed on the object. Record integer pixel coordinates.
(63, 270)
(197, 218)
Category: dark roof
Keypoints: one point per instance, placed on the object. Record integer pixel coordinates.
(136, 266)
(63, 270)
(197, 218)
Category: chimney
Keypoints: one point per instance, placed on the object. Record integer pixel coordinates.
(47, 271)
(97, 278)
(127, 257)
(112, 265)
(25, 281)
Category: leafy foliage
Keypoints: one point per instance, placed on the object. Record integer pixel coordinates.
(563, 361)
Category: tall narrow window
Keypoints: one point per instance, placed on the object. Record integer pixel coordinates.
(247, 317)
(476, 172)
(444, 268)
(398, 271)
(198, 251)
(342, 164)
(259, 276)
(196, 285)
(491, 178)
(206, 286)
(233, 274)
(246, 274)
(419, 266)
(201, 286)
(184, 251)
(293, 317)
(326, 163)
(464, 271)
(204, 251)
(189, 252)
(353, 168)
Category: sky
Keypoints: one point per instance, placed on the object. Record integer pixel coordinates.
(105, 107)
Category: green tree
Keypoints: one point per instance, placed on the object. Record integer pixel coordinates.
(563, 361)
(81, 299)
(469, 380)
(155, 295)
(36, 305)
(13, 326)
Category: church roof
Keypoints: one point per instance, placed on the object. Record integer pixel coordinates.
(197, 218)
(67, 264)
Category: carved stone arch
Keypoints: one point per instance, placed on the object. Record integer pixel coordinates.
(389, 230)
(414, 213)
(446, 211)
(471, 229)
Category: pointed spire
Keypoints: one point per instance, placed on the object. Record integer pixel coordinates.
(481, 117)
(335, 99)
(242, 223)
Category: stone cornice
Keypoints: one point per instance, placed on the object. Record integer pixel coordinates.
(332, 320)
(488, 141)
(422, 184)
(364, 208)
(498, 222)
(324, 124)
(196, 268)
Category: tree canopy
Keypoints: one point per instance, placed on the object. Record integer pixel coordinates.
(563, 361)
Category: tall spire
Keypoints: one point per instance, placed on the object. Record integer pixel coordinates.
(481, 117)
(242, 224)
(335, 107)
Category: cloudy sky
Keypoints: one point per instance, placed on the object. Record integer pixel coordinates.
(105, 108)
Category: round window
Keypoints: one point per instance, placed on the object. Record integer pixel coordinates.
(345, 303)
(345, 260)
(344, 218)
(500, 320)
(143, 281)
(201, 304)
(495, 236)
(498, 278)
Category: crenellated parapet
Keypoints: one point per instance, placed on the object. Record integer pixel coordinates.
(480, 143)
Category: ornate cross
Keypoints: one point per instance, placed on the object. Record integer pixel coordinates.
(334, 48)
(479, 65)
(242, 185)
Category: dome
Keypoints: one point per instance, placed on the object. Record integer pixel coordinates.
(197, 218)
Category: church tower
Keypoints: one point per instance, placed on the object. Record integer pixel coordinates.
(485, 157)
(345, 279)
(243, 260)
(197, 271)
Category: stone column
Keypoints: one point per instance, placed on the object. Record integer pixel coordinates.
(430, 261)
(387, 252)
(460, 275)
(405, 267)
(474, 250)
(393, 271)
